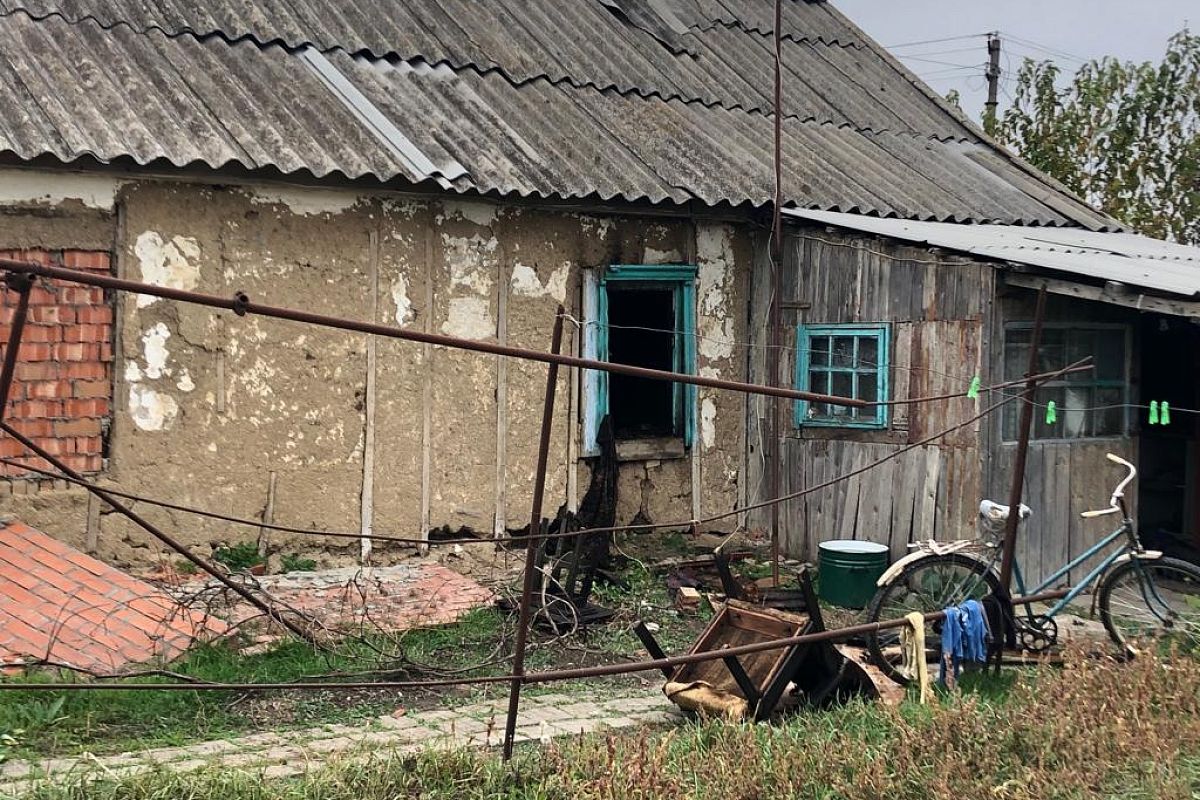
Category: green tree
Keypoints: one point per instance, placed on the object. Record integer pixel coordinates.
(1122, 135)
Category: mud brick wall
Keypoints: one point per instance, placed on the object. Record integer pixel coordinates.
(62, 393)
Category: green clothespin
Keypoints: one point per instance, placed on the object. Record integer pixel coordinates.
(1153, 412)
(1164, 413)
(1051, 413)
(973, 392)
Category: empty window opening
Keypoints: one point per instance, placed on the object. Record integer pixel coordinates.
(641, 333)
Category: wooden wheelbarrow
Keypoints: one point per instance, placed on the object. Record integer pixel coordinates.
(755, 686)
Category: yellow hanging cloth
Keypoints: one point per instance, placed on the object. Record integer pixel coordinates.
(912, 647)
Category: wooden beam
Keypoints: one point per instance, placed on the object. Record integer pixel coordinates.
(1104, 294)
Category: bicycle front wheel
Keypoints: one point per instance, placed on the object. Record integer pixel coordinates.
(1152, 602)
(930, 584)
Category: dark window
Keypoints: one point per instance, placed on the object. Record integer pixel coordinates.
(845, 361)
(641, 320)
(1088, 404)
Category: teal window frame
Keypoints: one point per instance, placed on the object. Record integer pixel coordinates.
(857, 417)
(681, 280)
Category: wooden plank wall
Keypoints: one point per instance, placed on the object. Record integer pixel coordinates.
(947, 324)
(936, 307)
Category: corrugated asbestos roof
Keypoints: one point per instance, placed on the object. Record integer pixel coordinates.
(1126, 258)
(665, 100)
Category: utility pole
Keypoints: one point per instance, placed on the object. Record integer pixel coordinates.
(993, 78)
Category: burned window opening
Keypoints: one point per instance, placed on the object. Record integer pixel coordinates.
(641, 333)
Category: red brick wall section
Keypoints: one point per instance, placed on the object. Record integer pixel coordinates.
(62, 393)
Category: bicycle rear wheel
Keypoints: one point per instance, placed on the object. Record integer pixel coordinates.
(930, 584)
(1152, 602)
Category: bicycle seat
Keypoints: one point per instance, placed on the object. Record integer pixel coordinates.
(997, 512)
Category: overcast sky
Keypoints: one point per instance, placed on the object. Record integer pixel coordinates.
(1074, 29)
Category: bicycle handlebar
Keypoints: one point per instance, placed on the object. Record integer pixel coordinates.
(1114, 505)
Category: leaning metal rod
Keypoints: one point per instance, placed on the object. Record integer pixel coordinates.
(241, 305)
(22, 284)
(546, 676)
(531, 550)
(163, 537)
(1018, 478)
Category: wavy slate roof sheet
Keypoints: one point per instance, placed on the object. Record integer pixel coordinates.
(665, 100)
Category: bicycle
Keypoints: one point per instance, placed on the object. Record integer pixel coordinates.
(1141, 594)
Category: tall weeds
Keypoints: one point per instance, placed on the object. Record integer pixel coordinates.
(1092, 729)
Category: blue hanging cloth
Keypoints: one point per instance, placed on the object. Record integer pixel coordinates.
(952, 643)
(975, 632)
(964, 637)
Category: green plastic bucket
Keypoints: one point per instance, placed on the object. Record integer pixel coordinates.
(849, 570)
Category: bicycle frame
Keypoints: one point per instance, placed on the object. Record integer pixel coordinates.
(1126, 530)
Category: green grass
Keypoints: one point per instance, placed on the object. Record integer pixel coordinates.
(1095, 729)
(67, 722)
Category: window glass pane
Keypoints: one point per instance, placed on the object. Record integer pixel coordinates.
(1077, 400)
(843, 351)
(1080, 345)
(818, 381)
(1016, 354)
(1109, 421)
(868, 389)
(868, 352)
(841, 385)
(1110, 355)
(819, 351)
(1052, 353)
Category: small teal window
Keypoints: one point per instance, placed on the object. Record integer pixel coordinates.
(845, 361)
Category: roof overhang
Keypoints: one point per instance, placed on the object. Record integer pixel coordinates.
(1122, 268)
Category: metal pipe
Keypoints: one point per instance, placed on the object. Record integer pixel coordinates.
(241, 305)
(165, 538)
(776, 310)
(23, 285)
(547, 676)
(1018, 481)
(532, 547)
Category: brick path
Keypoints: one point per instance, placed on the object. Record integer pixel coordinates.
(288, 753)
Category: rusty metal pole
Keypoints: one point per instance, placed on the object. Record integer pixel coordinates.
(23, 285)
(531, 548)
(775, 351)
(1018, 480)
(165, 538)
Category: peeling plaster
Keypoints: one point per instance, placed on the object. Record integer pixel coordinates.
(714, 252)
(305, 202)
(20, 187)
(653, 255)
(708, 423)
(154, 349)
(404, 307)
(525, 282)
(470, 318)
(482, 214)
(471, 261)
(166, 263)
(151, 410)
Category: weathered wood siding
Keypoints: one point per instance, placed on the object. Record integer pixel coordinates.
(1062, 477)
(936, 307)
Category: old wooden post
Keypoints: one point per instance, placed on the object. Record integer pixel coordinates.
(533, 542)
(1018, 481)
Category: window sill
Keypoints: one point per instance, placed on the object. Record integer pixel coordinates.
(869, 435)
(664, 448)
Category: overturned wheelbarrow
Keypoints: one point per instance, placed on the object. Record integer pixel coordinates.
(755, 686)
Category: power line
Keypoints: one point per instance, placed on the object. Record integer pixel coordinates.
(936, 61)
(1031, 44)
(937, 41)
